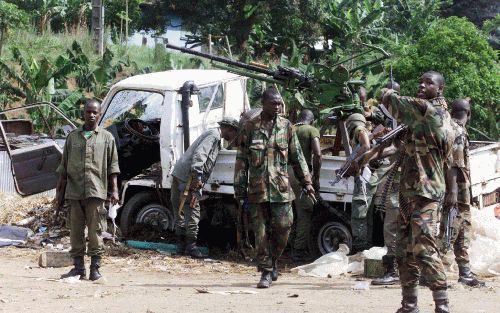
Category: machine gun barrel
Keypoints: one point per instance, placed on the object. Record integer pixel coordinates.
(223, 60)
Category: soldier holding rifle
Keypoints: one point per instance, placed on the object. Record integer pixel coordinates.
(428, 144)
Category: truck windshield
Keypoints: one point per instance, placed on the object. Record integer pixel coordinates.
(144, 105)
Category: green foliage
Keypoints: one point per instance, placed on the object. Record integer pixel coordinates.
(353, 22)
(10, 17)
(457, 49)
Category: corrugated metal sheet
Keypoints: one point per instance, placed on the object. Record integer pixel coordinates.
(6, 179)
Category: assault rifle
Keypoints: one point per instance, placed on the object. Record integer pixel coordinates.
(362, 160)
(448, 227)
(348, 163)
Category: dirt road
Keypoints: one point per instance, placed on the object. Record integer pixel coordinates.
(151, 282)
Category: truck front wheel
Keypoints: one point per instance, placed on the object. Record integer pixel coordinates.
(145, 208)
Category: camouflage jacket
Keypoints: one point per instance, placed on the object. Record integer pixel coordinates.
(460, 156)
(261, 170)
(428, 145)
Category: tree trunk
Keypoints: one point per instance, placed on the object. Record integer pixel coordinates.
(3, 30)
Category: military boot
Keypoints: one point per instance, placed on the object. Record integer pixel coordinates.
(194, 251)
(441, 301)
(274, 273)
(77, 270)
(95, 263)
(181, 245)
(391, 276)
(409, 302)
(468, 278)
(265, 280)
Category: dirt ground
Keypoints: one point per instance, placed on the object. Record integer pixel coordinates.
(147, 282)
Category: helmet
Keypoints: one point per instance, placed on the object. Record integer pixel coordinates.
(354, 120)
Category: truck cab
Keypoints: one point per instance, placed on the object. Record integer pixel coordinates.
(154, 118)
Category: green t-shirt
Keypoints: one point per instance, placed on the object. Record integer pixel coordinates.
(87, 133)
(306, 134)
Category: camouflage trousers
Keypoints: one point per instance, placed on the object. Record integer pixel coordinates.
(271, 224)
(417, 251)
(88, 213)
(362, 212)
(460, 239)
(304, 209)
(186, 223)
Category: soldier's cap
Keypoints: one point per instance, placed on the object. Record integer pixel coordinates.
(229, 121)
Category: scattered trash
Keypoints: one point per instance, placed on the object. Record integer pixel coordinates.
(361, 285)
(25, 221)
(293, 296)
(71, 280)
(13, 235)
(166, 247)
(484, 253)
(226, 292)
(333, 264)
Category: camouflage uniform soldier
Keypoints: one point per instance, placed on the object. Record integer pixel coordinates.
(361, 213)
(268, 145)
(458, 194)
(387, 198)
(308, 137)
(88, 167)
(427, 151)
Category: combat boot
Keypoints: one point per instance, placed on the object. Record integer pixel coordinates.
(95, 263)
(181, 245)
(391, 276)
(265, 280)
(409, 302)
(274, 273)
(194, 251)
(78, 269)
(441, 301)
(468, 278)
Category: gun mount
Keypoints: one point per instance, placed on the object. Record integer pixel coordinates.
(328, 87)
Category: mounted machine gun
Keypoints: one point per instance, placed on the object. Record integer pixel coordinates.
(329, 86)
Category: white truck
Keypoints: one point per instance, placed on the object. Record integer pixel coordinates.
(154, 117)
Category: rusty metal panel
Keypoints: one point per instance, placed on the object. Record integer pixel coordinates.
(6, 178)
(18, 127)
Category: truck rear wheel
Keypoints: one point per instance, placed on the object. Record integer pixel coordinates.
(145, 208)
(331, 235)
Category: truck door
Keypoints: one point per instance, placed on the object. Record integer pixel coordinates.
(34, 145)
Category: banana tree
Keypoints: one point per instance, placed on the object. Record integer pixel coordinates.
(352, 22)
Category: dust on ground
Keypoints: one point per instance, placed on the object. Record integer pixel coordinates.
(142, 281)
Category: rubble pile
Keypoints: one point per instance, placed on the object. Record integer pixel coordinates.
(36, 213)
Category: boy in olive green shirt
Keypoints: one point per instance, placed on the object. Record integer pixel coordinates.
(88, 165)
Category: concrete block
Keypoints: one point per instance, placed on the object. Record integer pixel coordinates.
(55, 259)
(373, 268)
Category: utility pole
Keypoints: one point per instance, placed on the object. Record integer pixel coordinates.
(126, 23)
(98, 26)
